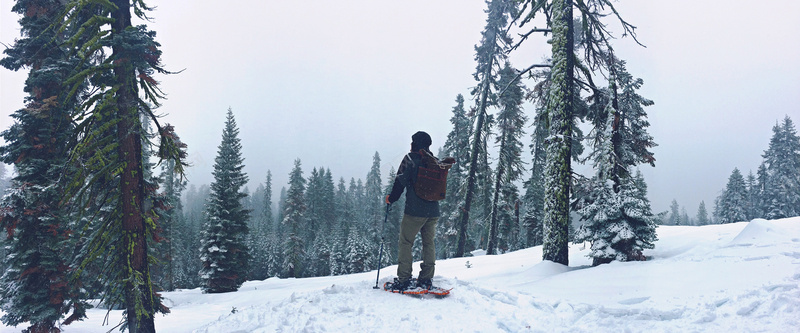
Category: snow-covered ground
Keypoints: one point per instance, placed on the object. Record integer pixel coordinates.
(741, 277)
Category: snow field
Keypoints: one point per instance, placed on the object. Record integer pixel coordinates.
(741, 277)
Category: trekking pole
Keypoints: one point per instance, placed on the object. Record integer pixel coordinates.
(380, 252)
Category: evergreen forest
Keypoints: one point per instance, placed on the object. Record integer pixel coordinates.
(97, 205)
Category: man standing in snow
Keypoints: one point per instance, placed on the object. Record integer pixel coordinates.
(420, 216)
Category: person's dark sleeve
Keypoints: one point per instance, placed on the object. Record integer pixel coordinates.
(400, 180)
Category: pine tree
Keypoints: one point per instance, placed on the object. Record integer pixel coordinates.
(619, 225)
(751, 207)
(261, 231)
(782, 162)
(374, 202)
(173, 224)
(489, 53)
(702, 214)
(358, 253)
(187, 277)
(35, 287)
(534, 187)
(320, 257)
(295, 207)
(328, 201)
(266, 206)
(563, 101)
(456, 146)
(342, 208)
(274, 255)
(733, 200)
(760, 192)
(109, 167)
(313, 214)
(357, 195)
(619, 221)
(392, 226)
(685, 217)
(511, 121)
(674, 216)
(281, 209)
(223, 251)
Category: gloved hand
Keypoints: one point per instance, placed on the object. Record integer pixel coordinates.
(387, 200)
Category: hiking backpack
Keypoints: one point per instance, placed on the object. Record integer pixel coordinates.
(431, 183)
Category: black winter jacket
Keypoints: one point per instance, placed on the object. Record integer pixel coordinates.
(406, 176)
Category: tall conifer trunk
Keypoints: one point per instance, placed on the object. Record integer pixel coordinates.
(498, 182)
(132, 182)
(560, 109)
(473, 164)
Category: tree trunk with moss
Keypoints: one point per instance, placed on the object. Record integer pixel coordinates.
(138, 290)
(560, 109)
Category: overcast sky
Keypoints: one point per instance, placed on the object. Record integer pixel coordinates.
(332, 82)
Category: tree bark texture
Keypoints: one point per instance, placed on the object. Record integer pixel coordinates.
(560, 109)
(138, 294)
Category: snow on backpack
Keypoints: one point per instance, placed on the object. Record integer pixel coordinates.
(431, 183)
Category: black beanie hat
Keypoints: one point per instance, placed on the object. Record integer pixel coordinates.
(421, 140)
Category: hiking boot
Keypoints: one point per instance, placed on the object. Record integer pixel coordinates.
(398, 286)
(425, 284)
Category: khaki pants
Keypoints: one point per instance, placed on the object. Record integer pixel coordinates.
(409, 228)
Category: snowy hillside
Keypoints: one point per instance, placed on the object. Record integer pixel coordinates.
(740, 277)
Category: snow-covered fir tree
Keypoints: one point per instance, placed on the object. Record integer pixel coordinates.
(752, 210)
(702, 214)
(338, 265)
(343, 208)
(328, 200)
(314, 207)
(674, 213)
(685, 217)
(261, 231)
(489, 53)
(457, 146)
(343, 214)
(266, 206)
(35, 286)
(273, 262)
(533, 200)
(733, 200)
(373, 202)
(391, 227)
(619, 221)
(620, 224)
(173, 225)
(223, 250)
(782, 166)
(319, 258)
(358, 253)
(194, 210)
(511, 123)
(760, 192)
(294, 251)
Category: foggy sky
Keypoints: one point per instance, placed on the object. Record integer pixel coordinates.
(332, 82)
